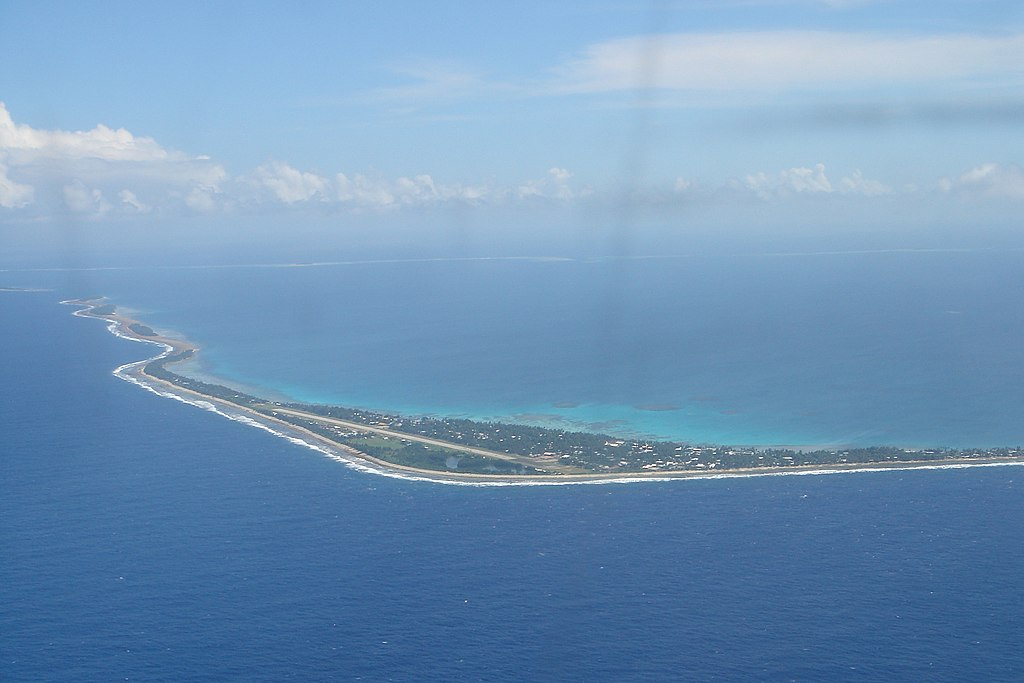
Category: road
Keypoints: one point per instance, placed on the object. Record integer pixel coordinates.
(524, 460)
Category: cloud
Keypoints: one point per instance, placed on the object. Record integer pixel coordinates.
(287, 184)
(987, 180)
(788, 181)
(804, 180)
(858, 184)
(128, 198)
(553, 186)
(422, 189)
(103, 173)
(21, 142)
(204, 199)
(773, 61)
(80, 199)
(993, 112)
(360, 190)
(13, 195)
(280, 182)
(809, 181)
(429, 81)
(51, 171)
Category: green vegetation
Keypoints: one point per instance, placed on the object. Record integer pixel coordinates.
(397, 451)
(158, 369)
(568, 450)
(595, 452)
(424, 456)
(468, 446)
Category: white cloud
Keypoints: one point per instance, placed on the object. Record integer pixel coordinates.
(203, 199)
(422, 189)
(553, 186)
(793, 180)
(781, 60)
(60, 170)
(130, 201)
(103, 173)
(531, 188)
(280, 182)
(84, 200)
(361, 190)
(858, 184)
(429, 81)
(57, 171)
(21, 142)
(809, 181)
(13, 195)
(288, 184)
(988, 180)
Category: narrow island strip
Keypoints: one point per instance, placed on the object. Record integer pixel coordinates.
(452, 450)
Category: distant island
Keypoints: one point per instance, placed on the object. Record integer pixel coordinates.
(468, 450)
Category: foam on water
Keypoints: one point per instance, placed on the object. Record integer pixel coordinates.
(132, 372)
(146, 540)
(748, 349)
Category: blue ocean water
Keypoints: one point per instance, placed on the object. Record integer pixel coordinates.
(901, 348)
(143, 539)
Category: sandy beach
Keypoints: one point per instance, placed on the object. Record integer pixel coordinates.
(122, 326)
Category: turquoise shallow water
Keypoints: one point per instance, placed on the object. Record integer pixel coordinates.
(144, 539)
(907, 348)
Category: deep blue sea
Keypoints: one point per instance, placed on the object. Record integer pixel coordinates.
(143, 539)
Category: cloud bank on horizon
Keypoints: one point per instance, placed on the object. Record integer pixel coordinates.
(751, 101)
(102, 172)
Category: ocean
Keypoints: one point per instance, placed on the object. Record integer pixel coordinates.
(144, 539)
(914, 349)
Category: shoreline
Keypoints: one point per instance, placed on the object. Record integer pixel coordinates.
(126, 327)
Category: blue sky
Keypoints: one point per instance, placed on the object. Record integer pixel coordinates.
(327, 112)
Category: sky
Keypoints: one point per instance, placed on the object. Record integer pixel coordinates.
(569, 122)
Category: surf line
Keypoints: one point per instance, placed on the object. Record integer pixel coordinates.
(134, 372)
